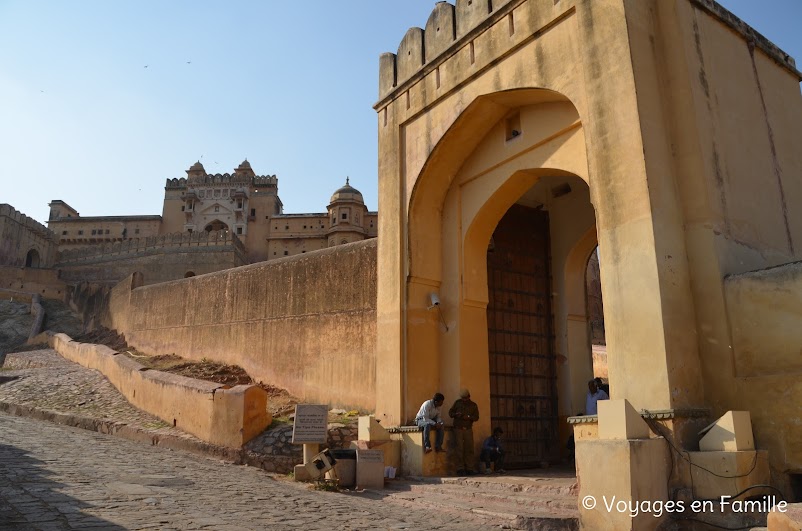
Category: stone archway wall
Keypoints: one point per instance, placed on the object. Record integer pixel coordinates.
(433, 117)
(32, 259)
(690, 121)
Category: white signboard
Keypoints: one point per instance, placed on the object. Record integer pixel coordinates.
(311, 424)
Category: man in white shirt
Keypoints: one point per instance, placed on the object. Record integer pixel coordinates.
(594, 395)
(429, 417)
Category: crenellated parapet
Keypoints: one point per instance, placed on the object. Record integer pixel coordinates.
(450, 28)
(221, 179)
(447, 25)
(31, 224)
(175, 242)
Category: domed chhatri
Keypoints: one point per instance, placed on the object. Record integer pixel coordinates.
(347, 193)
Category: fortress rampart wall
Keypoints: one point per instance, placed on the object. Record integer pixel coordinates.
(306, 323)
(158, 258)
(20, 234)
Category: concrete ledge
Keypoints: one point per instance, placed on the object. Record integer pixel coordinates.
(415, 462)
(215, 413)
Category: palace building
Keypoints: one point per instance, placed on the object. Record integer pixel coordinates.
(239, 212)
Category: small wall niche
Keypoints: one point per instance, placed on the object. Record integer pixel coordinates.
(512, 127)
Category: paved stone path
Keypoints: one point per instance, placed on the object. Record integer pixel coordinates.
(56, 477)
(43, 384)
(42, 379)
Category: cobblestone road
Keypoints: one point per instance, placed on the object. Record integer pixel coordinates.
(43, 379)
(55, 477)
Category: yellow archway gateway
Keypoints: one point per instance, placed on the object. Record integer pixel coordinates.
(645, 102)
(465, 129)
(514, 354)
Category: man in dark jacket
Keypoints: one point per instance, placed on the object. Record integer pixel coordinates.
(492, 451)
(464, 412)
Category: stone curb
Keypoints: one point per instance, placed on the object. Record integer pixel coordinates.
(236, 456)
(120, 429)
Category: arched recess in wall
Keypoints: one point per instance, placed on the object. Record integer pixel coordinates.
(433, 183)
(472, 178)
(32, 258)
(578, 339)
(189, 274)
(215, 225)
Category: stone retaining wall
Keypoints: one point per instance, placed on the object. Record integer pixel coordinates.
(274, 452)
(46, 282)
(306, 323)
(218, 414)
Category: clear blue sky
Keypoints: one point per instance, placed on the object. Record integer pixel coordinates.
(289, 85)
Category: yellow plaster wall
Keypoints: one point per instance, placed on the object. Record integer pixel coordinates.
(765, 312)
(721, 119)
(173, 218)
(131, 228)
(419, 121)
(609, 471)
(690, 121)
(304, 323)
(256, 240)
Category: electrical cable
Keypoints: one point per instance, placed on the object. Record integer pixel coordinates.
(656, 428)
(653, 426)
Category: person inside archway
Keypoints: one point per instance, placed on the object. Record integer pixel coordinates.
(594, 395)
(603, 386)
(464, 412)
(429, 417)
(493, 452)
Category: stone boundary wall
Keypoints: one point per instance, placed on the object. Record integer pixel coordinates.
(306, 323)
(273, 451)
(156, 265)
(20, 234)
(176, 242)
(30, 223)
(215, 413)
(45, 282)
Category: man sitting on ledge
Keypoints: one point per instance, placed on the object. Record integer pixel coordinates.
(428, 418)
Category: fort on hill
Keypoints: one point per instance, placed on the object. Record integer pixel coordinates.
(209, 222)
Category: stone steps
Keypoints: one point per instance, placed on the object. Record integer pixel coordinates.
(500, 501)
(558, 485)
(537, 501)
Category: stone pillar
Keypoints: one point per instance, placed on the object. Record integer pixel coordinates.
(622, 474)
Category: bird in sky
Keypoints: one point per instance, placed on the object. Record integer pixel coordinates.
(146, 66)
